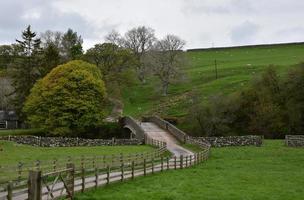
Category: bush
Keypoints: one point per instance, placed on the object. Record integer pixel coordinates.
(67, 101)
(107, 131)
(270, 106)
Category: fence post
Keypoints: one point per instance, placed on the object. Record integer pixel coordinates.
(20, 164)
(34, 185)
(70, 180)
(174, 162)
(133, 169)
(145, 172)
(168, 163)
(108, 174)
(190, 160)
(122, 171)
(96, 177)
(152, 162)
(186, 161)
(9, 191)
(82, 179)
(162, 163)
(181, 162)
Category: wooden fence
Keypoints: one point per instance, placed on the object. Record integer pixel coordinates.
(294, 140)
(64, 182)
(17, 174)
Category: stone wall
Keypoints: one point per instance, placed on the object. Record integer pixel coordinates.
(248, 140)
(68, 142)
(294, 140)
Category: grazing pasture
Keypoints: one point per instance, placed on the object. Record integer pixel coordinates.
(270, 172)
(235, 68)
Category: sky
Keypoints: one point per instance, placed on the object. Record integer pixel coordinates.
(201, 23)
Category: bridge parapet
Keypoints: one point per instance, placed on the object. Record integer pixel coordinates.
(179, 134)
(134, 126)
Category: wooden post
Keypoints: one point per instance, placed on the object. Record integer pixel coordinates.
(96, 177)
(152, 162)
(9, 191)
(186, 161)
(132, 169)
(122, 171)
(108, 174)
(162, 164)
(168, 165)
(181, 162)
(70, 179)
(190, 160)
(145, 172)
(20, 164)
(82, 179)
(174, 162)
(54, 164)
(34, 185)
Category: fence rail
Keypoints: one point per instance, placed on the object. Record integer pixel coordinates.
(294, 140)
(19, 172)
(64, 182)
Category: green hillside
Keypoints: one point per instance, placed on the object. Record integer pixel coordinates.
(236, 67)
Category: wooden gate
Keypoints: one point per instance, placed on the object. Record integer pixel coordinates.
(52, 185)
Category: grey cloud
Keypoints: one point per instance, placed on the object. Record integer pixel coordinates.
(227, 7)
(244, 33)
(42, 15)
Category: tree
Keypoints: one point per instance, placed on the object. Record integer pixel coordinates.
(71, 45)
(68, 100)
(25, 70)
(50, 58)
(52, 38)
(294, 100)
(115, 38)
(140, 40)
(114, 62)
(6, 56)
(166, 60)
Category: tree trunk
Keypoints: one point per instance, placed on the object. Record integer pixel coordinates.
(165, 88)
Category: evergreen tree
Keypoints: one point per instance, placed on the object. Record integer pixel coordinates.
(25, 70)
(71, 45)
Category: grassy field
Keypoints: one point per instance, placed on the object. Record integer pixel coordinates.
(271, 172)
(236, 67)
(13, 153)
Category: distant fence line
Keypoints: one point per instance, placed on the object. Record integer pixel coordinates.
(19, 172)
(294, 140)
(66, 181)
(68, 141)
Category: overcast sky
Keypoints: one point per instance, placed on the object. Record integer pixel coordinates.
(202, 23)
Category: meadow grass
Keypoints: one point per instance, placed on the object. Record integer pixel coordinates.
(270, 172)
(236, 67)
(13, 153)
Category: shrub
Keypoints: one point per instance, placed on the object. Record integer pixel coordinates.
(68, 100)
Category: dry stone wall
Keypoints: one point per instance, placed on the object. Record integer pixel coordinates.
(248, 140)
(68, 142)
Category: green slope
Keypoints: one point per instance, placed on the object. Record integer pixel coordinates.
(236, 66)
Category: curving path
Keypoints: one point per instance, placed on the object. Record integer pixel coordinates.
(154, 132)
(157, 133)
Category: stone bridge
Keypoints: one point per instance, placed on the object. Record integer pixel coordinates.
(158, 129)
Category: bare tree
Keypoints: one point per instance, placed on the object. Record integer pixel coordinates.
(140, 40)
(115, 38)
(51, 37)
(5, 90)
(166, 60)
